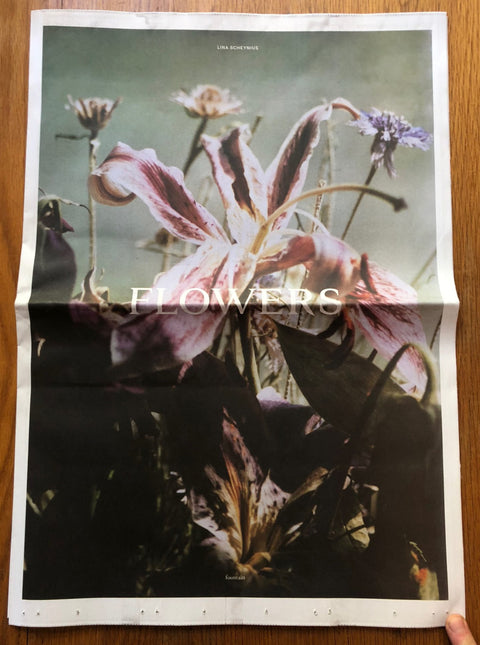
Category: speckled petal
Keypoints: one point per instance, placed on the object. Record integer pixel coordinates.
(127, 173)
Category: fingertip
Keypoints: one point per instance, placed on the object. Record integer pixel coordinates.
(456, 624)
(458, 631)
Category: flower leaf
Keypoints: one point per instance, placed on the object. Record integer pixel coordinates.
(55, 266)
(339, 394)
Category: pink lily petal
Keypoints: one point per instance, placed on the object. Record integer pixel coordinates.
(127, 173)
(197, 271)
(163, 340)
(298, 250)
(332, 263)
(287, 173)
(389, 319)
(241, 182)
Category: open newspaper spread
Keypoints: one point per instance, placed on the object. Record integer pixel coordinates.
(236, 323)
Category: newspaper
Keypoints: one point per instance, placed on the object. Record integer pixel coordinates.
(236, 323)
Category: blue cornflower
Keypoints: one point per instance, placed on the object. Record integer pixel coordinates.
(389, 131)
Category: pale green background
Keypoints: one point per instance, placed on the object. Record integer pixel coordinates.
(291, 73)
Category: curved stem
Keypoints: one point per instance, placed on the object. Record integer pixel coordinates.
(369, 178)
(425, 266)
(372, 399)
(398, 204)
(435, 333)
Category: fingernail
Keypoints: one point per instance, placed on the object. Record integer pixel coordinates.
(457, 624)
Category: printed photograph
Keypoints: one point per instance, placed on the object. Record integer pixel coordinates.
(234, 316)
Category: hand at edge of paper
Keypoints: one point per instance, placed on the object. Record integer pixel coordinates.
(458, 631)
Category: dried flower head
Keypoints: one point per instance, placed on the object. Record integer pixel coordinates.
(93, 113)
(207, 101)
(389, 131)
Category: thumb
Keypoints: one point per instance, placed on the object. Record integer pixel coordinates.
(458, 631)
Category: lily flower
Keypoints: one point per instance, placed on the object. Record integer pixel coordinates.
(244, 512)
(389, 131)
(207, 101)
(258, 206)
(93, 113)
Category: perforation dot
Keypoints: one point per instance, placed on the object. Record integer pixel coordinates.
(315, 612)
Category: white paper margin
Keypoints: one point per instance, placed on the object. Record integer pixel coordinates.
(254, 611)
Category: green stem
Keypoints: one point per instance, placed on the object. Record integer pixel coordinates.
(425, 266)
(72, 137)
(255, 125)
(325, 216)
(369, 178)
(251, 369)
(93, 144)
(326, 221)
(195, 148)
(398, 203)
(435, 333)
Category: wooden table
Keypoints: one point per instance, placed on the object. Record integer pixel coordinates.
(464, 52)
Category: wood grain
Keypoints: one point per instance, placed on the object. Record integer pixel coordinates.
(464, 37)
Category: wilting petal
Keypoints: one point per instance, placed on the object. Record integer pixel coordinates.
(389, 319)
(241, 182)
(336, 265)
(127, 173)
(287, 173)
(297, 250)
(332, 263)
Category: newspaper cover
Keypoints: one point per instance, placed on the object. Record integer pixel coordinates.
(236, 323)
